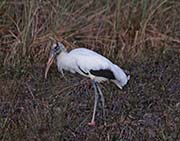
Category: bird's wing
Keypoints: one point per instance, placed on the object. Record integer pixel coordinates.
(84, 51)
(89, 60)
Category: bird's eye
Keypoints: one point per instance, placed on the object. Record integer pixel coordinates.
(56, 48)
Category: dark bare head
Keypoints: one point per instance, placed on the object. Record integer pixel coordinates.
(57, 48)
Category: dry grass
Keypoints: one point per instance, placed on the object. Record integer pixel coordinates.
(141, 35)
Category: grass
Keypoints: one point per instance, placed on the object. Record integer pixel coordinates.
(142, 36)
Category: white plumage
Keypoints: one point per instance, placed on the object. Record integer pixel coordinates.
(86, 60)
(90, 64)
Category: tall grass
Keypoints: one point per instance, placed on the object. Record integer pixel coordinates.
(119, 29)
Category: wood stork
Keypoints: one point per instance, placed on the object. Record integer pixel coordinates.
(89, 64)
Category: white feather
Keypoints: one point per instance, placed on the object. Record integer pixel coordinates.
(87, 60)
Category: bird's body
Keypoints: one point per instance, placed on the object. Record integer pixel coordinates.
(89, 64)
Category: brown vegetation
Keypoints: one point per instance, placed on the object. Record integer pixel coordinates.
(142, 36)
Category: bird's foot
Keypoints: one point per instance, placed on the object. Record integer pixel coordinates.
(92, 123)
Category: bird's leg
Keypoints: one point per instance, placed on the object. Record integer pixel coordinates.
(62, 73)
(102, 100)
(95, 103)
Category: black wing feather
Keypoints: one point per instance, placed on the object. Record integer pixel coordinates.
(83, 71)
(106, 73)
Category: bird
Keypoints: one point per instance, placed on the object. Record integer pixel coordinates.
(90, 64)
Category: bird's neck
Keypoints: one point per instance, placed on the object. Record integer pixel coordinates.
(62, 55)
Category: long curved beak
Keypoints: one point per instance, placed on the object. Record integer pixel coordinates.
(49, 63)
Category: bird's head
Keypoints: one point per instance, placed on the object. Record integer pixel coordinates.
(57, 48)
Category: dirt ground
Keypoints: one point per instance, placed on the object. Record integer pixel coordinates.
(148, 108)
